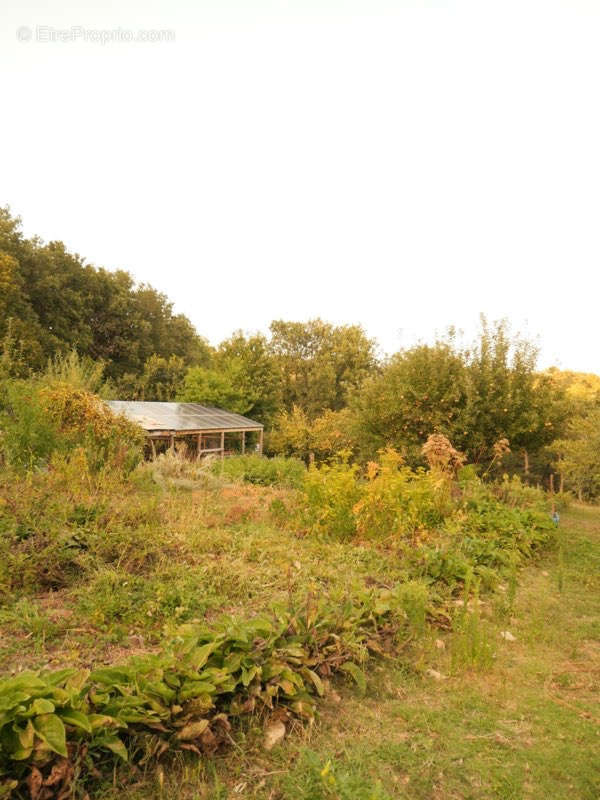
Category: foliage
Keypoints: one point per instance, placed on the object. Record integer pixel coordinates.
(475, 396)
(458, 527)
(161, 380)
(579, 455)
(294, 434)
(54, 724)
(320, 365)
(257, 376)
(79, 373)
(287, 472)
(56, 303)
(331, 494)
(41, 416)
(220, 388)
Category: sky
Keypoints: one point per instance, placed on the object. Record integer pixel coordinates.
(402, 165)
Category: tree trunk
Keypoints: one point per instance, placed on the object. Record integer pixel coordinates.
(526, 462)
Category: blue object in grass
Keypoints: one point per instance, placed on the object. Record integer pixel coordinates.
(555, 518)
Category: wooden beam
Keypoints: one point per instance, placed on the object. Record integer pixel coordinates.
(222, 445)
(243, 442)
(210, 432)
(153, 446)
(260, 441)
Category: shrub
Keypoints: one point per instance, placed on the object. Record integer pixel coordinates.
(41, 417)
(332, 492)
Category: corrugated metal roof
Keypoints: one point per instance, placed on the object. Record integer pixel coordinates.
(180, 416)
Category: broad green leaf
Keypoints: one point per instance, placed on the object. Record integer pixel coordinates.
(192, 689)
(112, 742)
(318, 683)
(75, 718)
(60, 676)
(40, 706)
(50, 728)
(356, 672)
(249, 674)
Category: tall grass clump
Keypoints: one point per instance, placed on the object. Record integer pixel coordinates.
(252, 468)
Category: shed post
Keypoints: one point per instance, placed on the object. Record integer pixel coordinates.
(260, 441)
(222, 445)
(172, 441)
(243, 442)
(199, 453)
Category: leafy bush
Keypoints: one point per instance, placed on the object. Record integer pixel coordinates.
(278, 471)
(56, 725)
(443, 528)
(41, 417)
(60, 523)
(332, 492)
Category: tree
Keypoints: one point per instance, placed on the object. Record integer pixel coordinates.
(56, 303)
(161, 380)
(294, 434)
(257, 375)
(476, 396)
(220, 388)
(419, 391)
(320, 365)
(579, 455)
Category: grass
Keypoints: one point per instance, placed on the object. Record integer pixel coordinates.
(493, 719)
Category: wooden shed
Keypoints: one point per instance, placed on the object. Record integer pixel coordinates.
(203, 428)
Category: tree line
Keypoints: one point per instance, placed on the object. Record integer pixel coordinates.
(318, 388)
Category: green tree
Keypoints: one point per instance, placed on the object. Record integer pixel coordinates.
(320, 365)
(474, 395)
(419, 391)
(220, 388)
(256, 374)
(56, 303)
(161, 380)
(578, 455)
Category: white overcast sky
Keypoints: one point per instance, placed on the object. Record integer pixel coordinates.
(403, 165)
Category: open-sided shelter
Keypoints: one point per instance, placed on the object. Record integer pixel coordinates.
(203, 427)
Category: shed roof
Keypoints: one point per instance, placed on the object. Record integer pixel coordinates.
(179, 417)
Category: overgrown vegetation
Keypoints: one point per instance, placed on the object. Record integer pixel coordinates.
(154, 613)
(315, 571)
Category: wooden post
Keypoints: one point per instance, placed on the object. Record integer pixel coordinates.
(199, 453)
(172, 442)
(260, 441)
(222, 445)
(243, 442)
(153, 446)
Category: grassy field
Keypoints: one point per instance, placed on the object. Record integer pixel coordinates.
(500, 719)
(500, 704)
